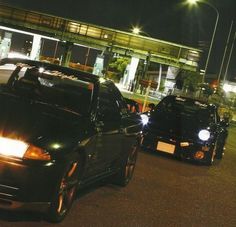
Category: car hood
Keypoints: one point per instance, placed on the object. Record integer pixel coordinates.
(37, 122)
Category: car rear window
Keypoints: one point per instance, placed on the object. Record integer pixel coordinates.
(50, 86)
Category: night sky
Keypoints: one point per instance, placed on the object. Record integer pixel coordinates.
(168, 20)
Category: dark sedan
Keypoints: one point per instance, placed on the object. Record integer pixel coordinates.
(186, 128)
(60, 129)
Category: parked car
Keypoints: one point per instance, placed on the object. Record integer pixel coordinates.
(60, 130)
(187, 128)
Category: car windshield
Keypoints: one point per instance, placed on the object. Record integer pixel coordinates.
(189, 111)
(47, 86)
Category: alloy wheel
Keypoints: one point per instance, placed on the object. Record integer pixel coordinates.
(130, 165)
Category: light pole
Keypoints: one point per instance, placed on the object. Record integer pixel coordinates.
(226, 48)
(214, 31)
(230, 54)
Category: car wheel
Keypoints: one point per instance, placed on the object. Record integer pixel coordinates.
(65, 194)
(125, 174)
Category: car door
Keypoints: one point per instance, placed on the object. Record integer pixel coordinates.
(131, 123)
(109, 117)
(108, 138)
(117, 130)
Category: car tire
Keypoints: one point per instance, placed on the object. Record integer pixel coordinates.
(125, 174)
(64, 195)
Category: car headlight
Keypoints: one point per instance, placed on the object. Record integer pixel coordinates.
(204, 135)
(20, 149)
(144, 118)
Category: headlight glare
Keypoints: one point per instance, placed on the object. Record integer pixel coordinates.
(144, 118)
(19, 149)
(204, 135)
(11, 147)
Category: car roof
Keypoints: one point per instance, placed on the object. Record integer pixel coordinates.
(79, 74)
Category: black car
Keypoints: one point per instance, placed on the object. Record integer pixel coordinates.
(187, 128)
(60, 130)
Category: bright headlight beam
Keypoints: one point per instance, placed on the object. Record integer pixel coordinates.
(144, 118)
(41, 70)
(11, 147)
(204, 135)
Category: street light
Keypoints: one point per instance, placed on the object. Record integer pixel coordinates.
(193, 2)
(138, 31)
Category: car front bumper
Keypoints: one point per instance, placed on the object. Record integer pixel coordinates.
(27, 185)
(197, 151)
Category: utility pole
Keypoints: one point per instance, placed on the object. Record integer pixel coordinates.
(149, 82)
(226, 47)
(230, 54)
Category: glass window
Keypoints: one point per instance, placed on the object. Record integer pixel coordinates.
(50, 86)
(6, 71)
(187, 110)
(121, 103)
(108, 105)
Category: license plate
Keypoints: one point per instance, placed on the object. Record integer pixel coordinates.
(166, 147)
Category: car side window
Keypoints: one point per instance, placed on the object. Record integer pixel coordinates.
(8, 70)
(108, 108)
(122, 105)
